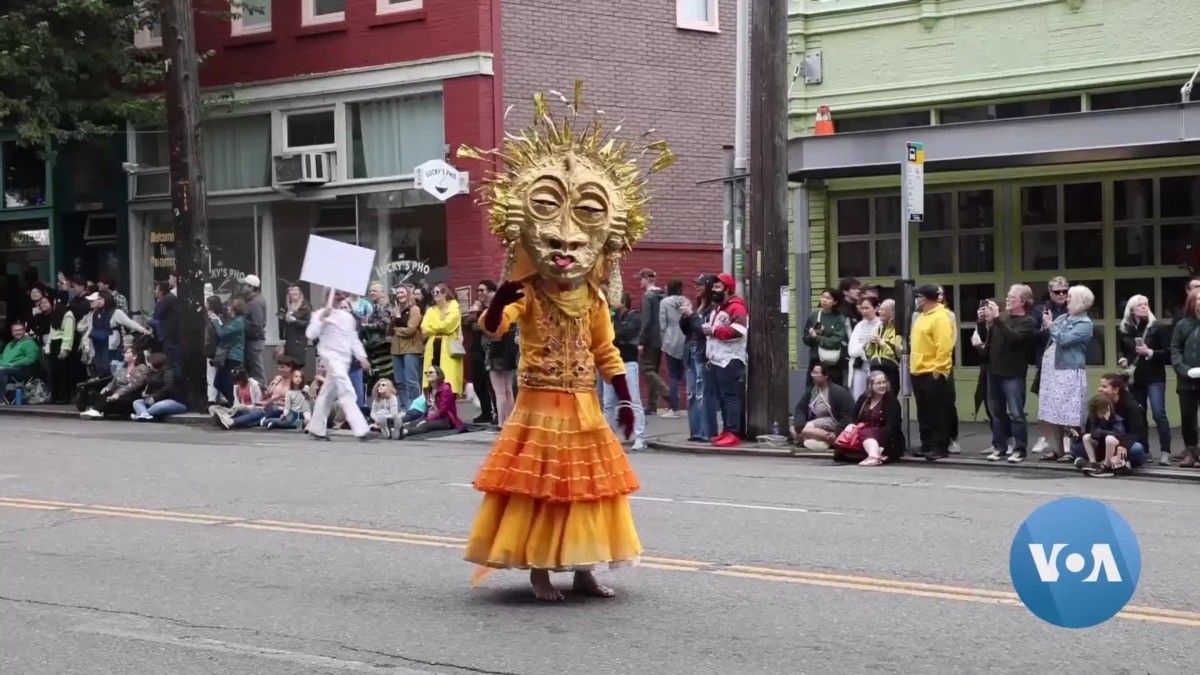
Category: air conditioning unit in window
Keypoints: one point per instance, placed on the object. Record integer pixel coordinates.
(305, 168)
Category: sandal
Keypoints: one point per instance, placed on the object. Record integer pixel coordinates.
(871, 461)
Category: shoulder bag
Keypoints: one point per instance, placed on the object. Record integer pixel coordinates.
(828, 356)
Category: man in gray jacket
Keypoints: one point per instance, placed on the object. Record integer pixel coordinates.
(256, 328)
(674, 344)
(650, 339)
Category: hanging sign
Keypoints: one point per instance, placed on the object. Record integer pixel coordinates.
(439, 179)
(914, 181)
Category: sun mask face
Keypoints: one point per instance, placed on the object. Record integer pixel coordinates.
(567, 211)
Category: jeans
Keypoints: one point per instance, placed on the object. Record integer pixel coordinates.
(702, 408)
(1006, 404)
(101, 359)
(1154, 393)
(610, 401)
(291, 420)
(223, 379)
(675, 377)
(731, 386)
(159, 409)
(360, 391)
(406, 373)
(252, 418)
(1136, 455)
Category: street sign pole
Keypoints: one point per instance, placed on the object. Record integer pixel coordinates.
(912, 193)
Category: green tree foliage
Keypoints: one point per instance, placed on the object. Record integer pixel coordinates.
(69, 68)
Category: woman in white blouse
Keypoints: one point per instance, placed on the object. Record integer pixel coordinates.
(860, 365)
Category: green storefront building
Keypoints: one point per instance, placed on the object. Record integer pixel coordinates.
(1056, 145)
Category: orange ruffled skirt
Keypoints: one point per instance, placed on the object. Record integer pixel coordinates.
(556, 490)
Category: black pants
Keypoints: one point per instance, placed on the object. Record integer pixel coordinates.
(1189, 400)
(656, 389)
(60, 389)
(483, 387)
(934, 397)
(426, 426)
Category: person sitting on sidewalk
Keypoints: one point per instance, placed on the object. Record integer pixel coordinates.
(443, 407)
(113, 396)
(823, 411)
(1110, 445)
(877, 428)
(295, 407)
(19, 359)
(164, 393)
(385, 407)
(247, 403)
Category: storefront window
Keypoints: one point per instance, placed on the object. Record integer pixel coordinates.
(24, 176)
(24, 245)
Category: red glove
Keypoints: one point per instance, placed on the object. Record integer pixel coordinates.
(624, 405)
(508, 293)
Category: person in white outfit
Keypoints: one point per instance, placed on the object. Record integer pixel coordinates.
(336, 331)
(870, 326)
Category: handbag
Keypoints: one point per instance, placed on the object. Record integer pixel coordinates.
(457, 350)
(828, 356)
(850, 438)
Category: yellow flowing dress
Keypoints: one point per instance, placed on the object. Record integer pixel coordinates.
(557, 482)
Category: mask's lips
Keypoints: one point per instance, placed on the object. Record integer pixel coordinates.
(564, 261)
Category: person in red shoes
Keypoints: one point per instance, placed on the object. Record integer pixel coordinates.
(726, 351)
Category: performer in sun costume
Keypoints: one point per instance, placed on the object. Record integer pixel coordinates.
(567, 201)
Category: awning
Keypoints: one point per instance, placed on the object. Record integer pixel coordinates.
(1131, 133)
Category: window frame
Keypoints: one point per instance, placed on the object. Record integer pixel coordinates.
(712, 25)
(384, 7)
(144, 38)
(286, 148)
(1061, 227)
(48, 172)
(238, 27)
(309, 16)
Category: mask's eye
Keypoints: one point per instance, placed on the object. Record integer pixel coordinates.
(544, 203)
(590, 211)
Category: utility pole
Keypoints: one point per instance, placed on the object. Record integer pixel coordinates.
(187, 191)
(767, 399)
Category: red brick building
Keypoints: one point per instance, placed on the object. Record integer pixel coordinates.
(335, 103)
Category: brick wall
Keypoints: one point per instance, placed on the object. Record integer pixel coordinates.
(441, 28)
(474, 253)
(638, 66)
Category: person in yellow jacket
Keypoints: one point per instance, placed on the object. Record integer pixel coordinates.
(442, 328)
(931, 360)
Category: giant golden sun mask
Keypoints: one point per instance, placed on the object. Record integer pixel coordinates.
(566, 198)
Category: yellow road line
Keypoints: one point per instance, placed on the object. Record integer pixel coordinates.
(821, 579)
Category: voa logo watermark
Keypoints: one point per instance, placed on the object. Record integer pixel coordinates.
(1075, 562)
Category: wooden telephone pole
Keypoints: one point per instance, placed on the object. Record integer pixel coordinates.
(767, 396)
(187, 192)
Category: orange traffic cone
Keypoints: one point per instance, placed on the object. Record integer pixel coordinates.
(824, 125)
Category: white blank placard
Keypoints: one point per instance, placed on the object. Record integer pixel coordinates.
(340, 266)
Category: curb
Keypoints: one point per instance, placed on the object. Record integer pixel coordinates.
(188, 419)
(1153, 473)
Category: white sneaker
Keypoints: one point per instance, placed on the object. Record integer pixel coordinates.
(996, 456)
(638, 445)
(954, 449)
(91, 414)
(669, 415)
(1016, 458)
(1041, 446)
(815, 445)
(1164, 459)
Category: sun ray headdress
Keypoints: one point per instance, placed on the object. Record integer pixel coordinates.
(525, 154)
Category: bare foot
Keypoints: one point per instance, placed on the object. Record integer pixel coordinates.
(543, 589)
(585, 582)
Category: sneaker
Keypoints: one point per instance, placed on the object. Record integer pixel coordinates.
(669, 415)
(954, 449)
(91, 414)
(1090, 468)
(1016, 457)
(730, 441)
(815, 445)
(224, 419)
(638, 445)
(997, 455)
(1041, 446)
(319, 437)
(1165, 459)
(1081, 463)
(720, 438)
(1102, 472)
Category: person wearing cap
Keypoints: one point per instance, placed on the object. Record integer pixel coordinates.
(650, 340)
(726, 349)
(256, 327)
(103, 334)
(931, 360)
(701, 391)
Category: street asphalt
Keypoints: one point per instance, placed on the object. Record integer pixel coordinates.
(170, 549)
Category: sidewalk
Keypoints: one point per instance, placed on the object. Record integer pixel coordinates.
(975, 439)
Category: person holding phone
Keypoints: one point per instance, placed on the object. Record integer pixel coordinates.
(1145, 349)
(1007, 339)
